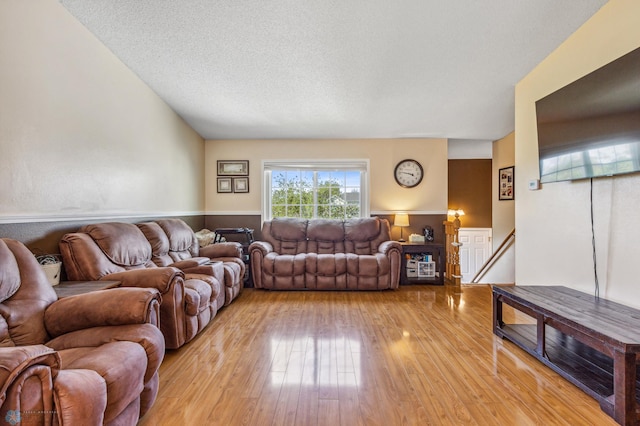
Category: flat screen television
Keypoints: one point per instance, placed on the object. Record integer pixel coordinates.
(591, 127)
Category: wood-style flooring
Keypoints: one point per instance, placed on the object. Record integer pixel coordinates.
(421, 355)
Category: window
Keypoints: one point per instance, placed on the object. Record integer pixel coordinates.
(316, 189)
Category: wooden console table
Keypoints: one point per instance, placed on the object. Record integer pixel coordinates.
(594, 343)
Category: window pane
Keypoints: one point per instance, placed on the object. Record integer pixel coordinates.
(301, 191)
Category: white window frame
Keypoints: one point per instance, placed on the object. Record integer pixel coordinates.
(361, 165)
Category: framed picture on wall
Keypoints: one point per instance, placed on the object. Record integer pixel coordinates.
(233, 167)
(224, 185)
(241, 184)
(506, 190)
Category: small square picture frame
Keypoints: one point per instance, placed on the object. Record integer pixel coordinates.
(225, 185)
(241, 184)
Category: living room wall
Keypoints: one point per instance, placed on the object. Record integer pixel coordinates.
(383, 155)
(81, 136)
(427, 203)
(553, 243)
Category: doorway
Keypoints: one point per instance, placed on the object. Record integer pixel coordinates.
(475, 250)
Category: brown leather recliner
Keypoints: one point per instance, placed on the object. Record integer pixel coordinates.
(175, 244)
(120, 251)
(88, 359)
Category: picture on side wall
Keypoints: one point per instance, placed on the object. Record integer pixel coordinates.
(233, 167)
(506, 189)
(241, 184)
(224, 185)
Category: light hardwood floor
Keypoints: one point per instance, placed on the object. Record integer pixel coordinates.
(421, 355)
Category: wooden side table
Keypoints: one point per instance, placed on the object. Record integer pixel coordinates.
(436, 250)
(72, 288)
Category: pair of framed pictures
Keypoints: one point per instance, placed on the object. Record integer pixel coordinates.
(233, 176)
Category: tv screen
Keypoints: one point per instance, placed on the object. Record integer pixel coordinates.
(591, 127)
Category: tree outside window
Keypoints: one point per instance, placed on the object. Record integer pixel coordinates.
(309, 194)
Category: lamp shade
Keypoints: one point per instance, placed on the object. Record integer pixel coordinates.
(401, 219)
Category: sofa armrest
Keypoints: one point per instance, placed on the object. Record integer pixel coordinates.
(17, 359)
(159, 278)
(262, 246)
(228, 249)
(386, 246)
(117, 306)
(194, 262)
(80, 397)
(146, 335)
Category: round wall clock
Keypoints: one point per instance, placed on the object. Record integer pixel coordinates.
(408, 173)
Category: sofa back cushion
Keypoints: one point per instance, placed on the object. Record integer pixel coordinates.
(159, 243)
(287, 236)
(326, 236)
(123, 243)
(104, 248)
(183, 243)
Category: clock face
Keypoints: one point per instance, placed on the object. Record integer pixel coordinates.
(408, 173)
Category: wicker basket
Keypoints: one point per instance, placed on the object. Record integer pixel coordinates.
(52, 271)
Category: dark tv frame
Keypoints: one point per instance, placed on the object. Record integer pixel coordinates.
(591, 127)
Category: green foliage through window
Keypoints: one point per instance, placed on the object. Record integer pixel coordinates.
(316, 194)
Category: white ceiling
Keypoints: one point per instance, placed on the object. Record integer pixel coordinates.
(265, 69)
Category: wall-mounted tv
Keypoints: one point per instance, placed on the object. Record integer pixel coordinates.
(591, 127)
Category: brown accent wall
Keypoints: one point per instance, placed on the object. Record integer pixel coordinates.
(470, 190)
(44, 237)
(417, 223)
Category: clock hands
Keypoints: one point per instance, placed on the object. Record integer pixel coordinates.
(407, 173)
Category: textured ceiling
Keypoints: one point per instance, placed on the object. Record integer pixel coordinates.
(259, 69)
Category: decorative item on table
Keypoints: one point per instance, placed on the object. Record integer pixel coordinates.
(52, 266)
(416, 238)
(427, 231)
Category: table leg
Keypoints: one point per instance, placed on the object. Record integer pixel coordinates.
(497, 313)
(624, 388)
(541, 334)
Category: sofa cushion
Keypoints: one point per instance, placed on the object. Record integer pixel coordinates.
(123, 243)
(181, 236)
(326, 230)
(365, 229)
(289, 229)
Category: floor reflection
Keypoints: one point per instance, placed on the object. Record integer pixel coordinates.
(316, 361)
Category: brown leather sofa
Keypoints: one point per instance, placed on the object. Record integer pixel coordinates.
(83, 360)
(120, 251)
(175, 244)
(298, 254)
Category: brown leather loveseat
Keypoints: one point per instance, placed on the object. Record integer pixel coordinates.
(353, 254)
(119, 251)
(175, 244)
(83, 360)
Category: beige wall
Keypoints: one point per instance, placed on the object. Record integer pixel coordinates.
(503, 215)
(386, 196)
(553, 224)
(80, 134)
